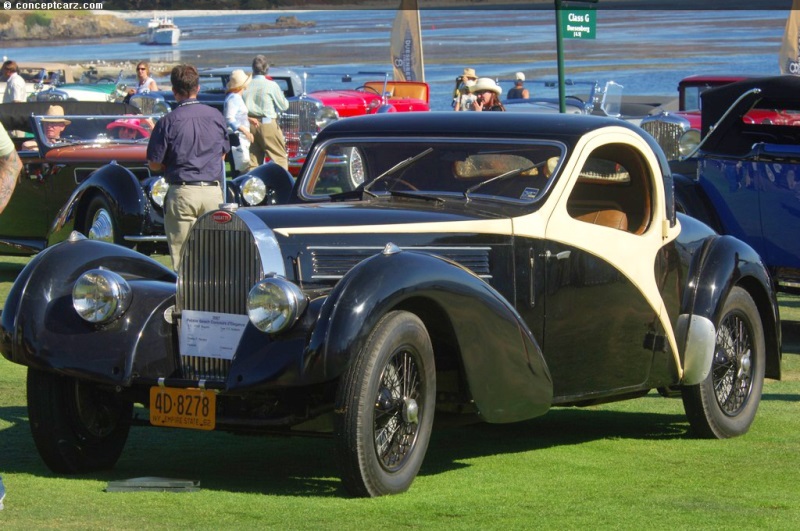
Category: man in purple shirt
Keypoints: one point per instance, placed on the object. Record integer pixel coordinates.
(188, 145)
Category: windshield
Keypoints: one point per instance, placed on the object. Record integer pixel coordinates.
(507, 171)
(58, 130)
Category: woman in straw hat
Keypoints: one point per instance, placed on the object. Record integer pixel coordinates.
(462, 99)
(488, 95)
(235, 112)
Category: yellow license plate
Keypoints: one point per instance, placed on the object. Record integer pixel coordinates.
(194, 409)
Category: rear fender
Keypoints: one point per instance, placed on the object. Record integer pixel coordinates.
(41, 329)
(124, 194)
(722, 263)
(505, 371)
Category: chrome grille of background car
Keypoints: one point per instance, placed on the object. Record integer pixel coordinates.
(219, 266)
(667, 134)
(330, 263)
(299, 118)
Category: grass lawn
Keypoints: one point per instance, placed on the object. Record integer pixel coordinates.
(629, 465)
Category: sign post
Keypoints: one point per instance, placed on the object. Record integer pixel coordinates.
(571, 24)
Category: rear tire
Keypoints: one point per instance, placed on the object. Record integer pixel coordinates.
(76, 427)
(725, 404)
(384, 408)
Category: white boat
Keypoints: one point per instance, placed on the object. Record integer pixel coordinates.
(161, 30)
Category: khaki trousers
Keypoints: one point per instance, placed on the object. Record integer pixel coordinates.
(182, 206)
(268, 141)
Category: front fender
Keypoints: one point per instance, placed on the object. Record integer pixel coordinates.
(505, 371)
(119, 186)
(276, 179)
(41, 329)
(722, 263)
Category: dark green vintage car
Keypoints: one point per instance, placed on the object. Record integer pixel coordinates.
(88, 180)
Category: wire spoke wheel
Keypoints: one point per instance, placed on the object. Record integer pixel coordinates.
(384, 408)
(725, 403)
(396, 411)
(732, 370)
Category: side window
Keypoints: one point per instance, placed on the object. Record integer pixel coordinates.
(614, 189)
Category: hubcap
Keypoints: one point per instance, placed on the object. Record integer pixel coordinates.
(102, 227)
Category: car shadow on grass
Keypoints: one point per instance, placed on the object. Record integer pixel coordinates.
(297, 466)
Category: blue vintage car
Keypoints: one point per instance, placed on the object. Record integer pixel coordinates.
(493, 265)
(743, 179)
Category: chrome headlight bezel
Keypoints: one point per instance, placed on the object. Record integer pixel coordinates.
(158, 191)
(253, 191)
(274, 304)
(100, 296)
(325, 116)
(688, 141)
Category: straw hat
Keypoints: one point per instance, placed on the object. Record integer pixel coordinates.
(519, 76)
(238, 80)
(470, 73)
(485, 83)
(54, 111)
(137, 124)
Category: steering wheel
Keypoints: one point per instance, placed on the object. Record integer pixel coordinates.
(367, 88)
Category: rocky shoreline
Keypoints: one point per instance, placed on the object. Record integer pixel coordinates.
(20, 26)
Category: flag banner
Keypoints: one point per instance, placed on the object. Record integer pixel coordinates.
(406, 44)
(789, 60)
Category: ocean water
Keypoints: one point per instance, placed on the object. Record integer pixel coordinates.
(648, 52)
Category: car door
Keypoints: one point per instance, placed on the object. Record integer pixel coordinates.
(601, 302)
(25, 217)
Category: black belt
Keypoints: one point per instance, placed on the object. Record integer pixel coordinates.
(197, 183)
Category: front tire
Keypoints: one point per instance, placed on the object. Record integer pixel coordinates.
(385, 406)
(725, 404)
(76, 427)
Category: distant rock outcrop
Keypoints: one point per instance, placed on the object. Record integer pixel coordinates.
(284, 22)
(36, 26)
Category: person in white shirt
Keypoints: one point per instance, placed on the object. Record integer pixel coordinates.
(15, 85)
(235, 112)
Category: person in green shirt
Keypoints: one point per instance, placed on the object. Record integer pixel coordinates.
(264, 99)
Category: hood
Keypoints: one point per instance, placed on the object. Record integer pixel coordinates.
(369, 214)
(348, 102)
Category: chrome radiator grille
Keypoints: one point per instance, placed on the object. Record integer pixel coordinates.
(667, 134)
(219, 266)
(333, 262)
(299, 118)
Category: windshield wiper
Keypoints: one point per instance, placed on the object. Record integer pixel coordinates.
(511, 173)
(397, 167)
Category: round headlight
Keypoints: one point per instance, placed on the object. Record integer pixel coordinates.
(158, 191)
(688, 141)
(100, 296)
(274, 304)
(254, 191)
(306, 139)
(325, 116)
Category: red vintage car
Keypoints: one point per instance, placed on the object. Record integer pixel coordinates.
(309, 113)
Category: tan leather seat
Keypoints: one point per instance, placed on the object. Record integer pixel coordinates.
(615, 219)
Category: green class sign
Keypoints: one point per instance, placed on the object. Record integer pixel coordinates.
(578, 24)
